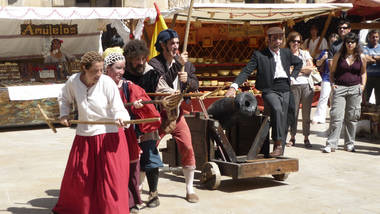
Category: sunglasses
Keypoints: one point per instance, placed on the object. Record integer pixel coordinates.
(350, 42)
(344, 28)
(296, 41)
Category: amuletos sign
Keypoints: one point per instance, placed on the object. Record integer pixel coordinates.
(48, 29)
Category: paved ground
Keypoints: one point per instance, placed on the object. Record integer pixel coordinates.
(32, 162)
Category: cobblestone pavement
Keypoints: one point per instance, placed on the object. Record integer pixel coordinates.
(32, 163)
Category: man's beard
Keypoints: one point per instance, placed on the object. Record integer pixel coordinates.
(138, 70)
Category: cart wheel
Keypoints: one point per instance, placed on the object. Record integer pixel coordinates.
(210, 176)
(280, 177)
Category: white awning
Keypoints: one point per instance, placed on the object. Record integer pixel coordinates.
(256, 13)
(90, 22)
(69, 13)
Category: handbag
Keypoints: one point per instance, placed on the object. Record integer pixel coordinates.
(316, 76)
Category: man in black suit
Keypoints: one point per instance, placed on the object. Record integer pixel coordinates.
(273, 79)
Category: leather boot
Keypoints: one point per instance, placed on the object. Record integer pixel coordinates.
(277, 149)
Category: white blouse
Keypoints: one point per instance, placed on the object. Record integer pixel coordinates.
(101, 102)
(300, 80)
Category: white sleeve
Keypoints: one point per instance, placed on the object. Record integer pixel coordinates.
(116, 104)
(65, 99)
(163, 87)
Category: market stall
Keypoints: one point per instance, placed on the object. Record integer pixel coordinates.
(223, 37)
(26, 38)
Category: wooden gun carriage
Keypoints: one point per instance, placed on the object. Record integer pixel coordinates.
(241, 151)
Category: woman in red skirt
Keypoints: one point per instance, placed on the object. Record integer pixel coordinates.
(97, 171)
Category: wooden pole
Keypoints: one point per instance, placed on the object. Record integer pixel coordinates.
(327, 23)
(187, 26)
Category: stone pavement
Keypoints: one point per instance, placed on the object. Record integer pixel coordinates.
(32, 162)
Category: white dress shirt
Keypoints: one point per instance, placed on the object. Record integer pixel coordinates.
(279, 70)
(101, 102)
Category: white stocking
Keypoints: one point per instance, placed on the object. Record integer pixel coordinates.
(189, 179)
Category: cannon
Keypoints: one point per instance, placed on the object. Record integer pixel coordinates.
(237, 147)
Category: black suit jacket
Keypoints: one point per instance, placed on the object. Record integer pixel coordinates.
(264, 62)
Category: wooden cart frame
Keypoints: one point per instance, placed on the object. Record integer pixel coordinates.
(224, 152)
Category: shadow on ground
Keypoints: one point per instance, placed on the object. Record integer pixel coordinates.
(39, 205)
(228, 184)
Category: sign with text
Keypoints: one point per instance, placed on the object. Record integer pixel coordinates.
(48, 29)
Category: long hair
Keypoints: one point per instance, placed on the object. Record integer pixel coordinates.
(351, 37)
(291, 36)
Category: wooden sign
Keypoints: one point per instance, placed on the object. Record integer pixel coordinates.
(48, 29)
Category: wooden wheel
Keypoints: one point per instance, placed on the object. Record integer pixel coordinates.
(280, 177)
(210, 176)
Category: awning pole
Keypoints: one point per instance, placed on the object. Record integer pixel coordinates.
(327, 23)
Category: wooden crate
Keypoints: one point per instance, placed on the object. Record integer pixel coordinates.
(198, 129)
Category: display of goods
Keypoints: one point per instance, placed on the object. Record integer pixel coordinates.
(224, 72)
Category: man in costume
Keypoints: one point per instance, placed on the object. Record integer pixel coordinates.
(143, 75)
(169, 64)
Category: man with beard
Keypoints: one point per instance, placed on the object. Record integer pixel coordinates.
(137, 71)
(173, 80)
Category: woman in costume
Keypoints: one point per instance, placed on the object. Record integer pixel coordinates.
(97, 171)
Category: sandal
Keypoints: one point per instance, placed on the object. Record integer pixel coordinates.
(291, 143)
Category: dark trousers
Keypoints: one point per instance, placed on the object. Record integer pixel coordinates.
(277, 103)
(372, 83)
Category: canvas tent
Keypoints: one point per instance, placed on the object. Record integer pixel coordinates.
(17, 43)
(256, 13)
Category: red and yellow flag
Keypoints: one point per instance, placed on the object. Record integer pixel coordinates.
(160, 25)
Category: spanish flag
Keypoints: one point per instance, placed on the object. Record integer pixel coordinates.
(160, 25)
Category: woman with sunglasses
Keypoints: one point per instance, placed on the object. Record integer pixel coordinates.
(302, 88)
(348, 77)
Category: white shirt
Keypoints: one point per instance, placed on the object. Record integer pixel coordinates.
(101, 102)
(304, 56)
(313, 45)
(279, 70)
